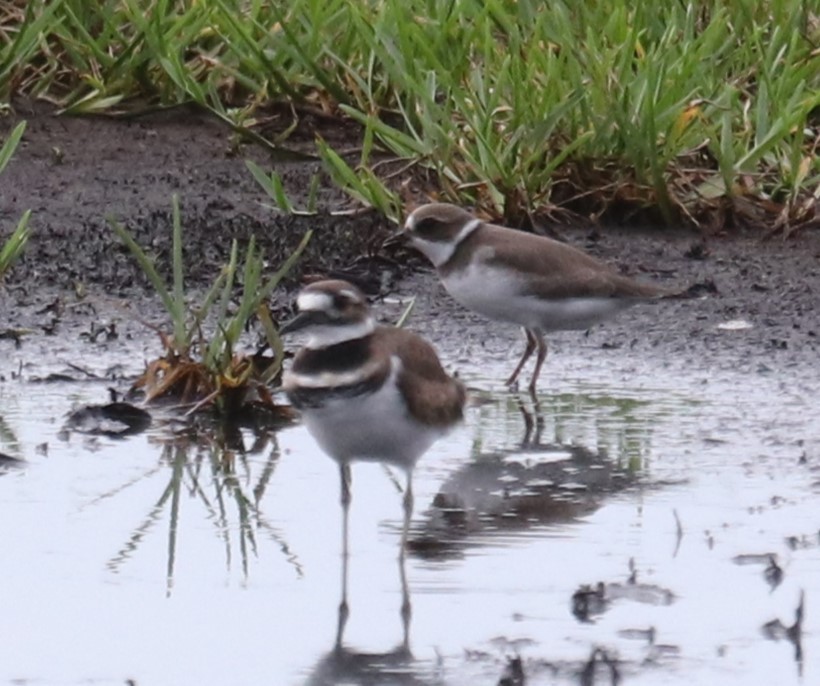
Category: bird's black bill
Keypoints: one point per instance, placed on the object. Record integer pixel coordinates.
(303, 320)
(396, 240)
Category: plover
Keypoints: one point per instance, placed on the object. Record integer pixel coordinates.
(367, 392)
(539, 283)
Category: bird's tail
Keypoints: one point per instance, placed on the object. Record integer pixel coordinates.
(697, 291)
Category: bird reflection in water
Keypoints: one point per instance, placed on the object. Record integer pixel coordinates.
(536, 480)
(347, 665)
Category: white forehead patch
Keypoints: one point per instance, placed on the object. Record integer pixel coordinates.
(314, 301)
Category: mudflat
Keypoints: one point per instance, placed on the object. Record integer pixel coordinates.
(75, 173)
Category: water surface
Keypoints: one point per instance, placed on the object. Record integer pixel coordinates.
(198, 556)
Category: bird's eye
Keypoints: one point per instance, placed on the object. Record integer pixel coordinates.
(344, 301)
(339, 304)
(426, 225)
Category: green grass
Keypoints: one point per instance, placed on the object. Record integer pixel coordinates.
(12, 247)
(687, 109)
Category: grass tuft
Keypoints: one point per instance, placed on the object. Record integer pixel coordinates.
(208, 369)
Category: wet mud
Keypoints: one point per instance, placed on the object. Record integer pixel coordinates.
(75, 173)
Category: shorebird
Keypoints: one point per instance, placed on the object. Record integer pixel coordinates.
(367, 392)
(539, 283)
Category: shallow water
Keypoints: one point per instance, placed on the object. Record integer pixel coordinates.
(168, 557)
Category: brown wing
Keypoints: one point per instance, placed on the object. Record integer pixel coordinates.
(433, 396)
(558, 270)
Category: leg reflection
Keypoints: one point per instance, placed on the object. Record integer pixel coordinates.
(533, 420)
(406, 607)
(407, 504)
(347, 664)
(344, 610)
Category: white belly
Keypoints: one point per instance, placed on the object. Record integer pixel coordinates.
(497, 294)
(370, 427)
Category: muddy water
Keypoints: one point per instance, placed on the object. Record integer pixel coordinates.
(631, 510)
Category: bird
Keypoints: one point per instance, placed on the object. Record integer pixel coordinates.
(507, 275)
(367, 391)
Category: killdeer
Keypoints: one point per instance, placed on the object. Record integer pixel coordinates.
(538, 283)
(367, 392)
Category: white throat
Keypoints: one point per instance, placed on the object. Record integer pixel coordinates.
(440, 252)
(325, 336)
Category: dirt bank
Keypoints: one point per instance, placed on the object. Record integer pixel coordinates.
(74, 172)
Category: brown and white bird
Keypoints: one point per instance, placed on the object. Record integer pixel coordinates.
(536, 282)
(367, 392)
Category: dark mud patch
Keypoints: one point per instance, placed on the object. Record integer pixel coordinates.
(74, 173)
